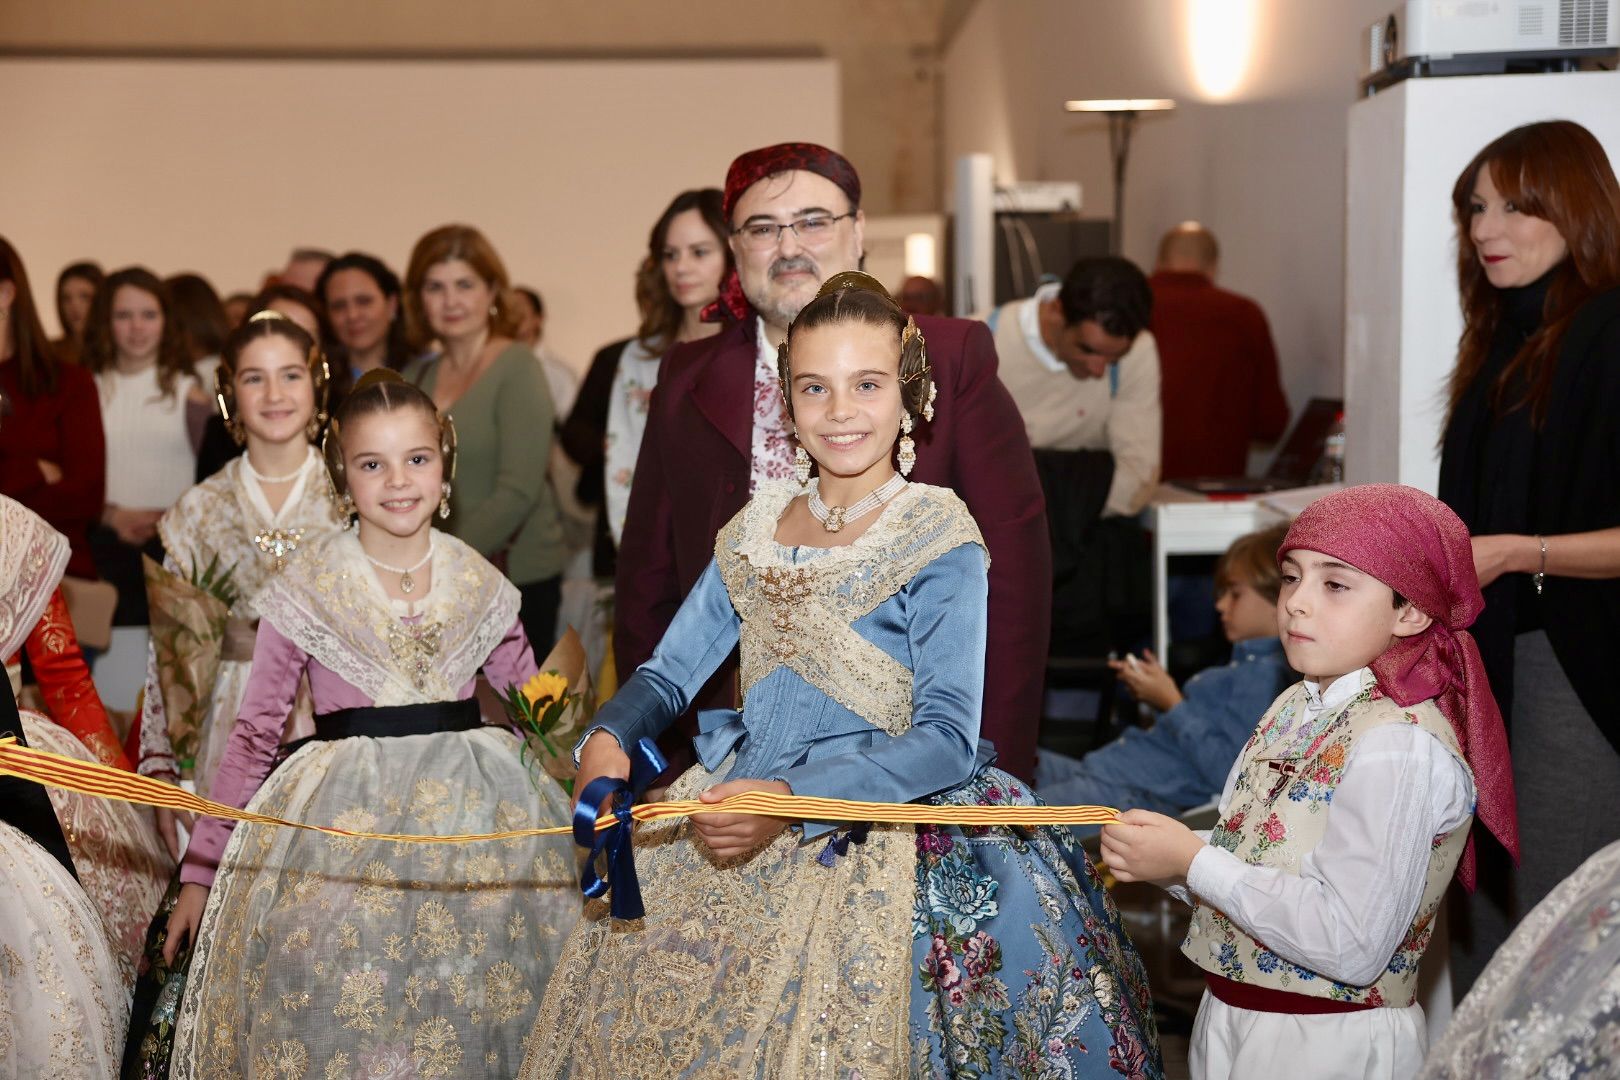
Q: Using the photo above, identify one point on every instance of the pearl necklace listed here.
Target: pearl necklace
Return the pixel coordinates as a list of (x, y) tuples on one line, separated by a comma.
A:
[(263, 479), (834, 518), (406, 583)]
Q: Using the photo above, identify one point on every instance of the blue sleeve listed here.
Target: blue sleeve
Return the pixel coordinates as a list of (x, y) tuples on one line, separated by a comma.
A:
[(945, 614), (697, 642), (1183, 760), (1221, 710)]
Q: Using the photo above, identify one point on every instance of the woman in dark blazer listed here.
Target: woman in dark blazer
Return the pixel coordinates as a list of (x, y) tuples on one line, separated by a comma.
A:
[(1530, 461)]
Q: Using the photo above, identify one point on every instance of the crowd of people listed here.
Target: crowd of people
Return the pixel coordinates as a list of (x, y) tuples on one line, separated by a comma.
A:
[(817, 540)]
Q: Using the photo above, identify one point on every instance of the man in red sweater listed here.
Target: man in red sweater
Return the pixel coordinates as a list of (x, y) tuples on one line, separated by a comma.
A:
[(1218, 382)]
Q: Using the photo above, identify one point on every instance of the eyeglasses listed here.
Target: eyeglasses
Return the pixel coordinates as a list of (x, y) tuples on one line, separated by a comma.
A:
[(811, 231)]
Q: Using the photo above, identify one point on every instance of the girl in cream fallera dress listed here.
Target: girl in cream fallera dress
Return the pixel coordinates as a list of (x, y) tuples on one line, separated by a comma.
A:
[(224, 541), (120, 860), (73, 870)]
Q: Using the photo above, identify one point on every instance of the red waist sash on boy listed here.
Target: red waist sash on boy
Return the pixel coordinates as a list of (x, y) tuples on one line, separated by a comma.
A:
[(1271, 1000)]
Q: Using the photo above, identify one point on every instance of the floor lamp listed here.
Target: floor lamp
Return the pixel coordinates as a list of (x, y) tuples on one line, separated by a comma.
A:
[(1122, 114)]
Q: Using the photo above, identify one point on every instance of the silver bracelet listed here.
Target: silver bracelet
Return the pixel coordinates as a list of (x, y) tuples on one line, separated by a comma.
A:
[(1540, 576)]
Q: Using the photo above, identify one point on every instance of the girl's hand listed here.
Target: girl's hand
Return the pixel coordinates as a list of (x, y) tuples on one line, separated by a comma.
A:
[(1144, 846), (134, 527), (50, 470), (730, 835), (600, 756), (1148, 681), (166, 820), (185, 918)]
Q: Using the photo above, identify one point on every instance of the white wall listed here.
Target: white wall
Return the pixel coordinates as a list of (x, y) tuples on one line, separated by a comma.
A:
[(223, 166), (1263, 168), (1407, 147)]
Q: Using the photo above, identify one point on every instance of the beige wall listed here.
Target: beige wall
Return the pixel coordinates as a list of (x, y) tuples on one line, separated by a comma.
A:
[(223, 166), (1264, 169), (887, 52)]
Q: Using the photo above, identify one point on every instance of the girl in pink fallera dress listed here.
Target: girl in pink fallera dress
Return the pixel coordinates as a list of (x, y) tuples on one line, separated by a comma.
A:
[(319, 955)]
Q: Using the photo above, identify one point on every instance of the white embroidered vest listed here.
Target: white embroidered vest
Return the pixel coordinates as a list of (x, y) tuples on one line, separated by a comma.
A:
[(1277, 815)]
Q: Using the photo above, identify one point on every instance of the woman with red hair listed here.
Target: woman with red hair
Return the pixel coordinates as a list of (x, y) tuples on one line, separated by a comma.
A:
[(1530, 461)]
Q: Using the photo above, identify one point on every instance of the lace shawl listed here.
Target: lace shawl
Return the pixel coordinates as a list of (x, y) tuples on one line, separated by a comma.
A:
[(223, 517), (33, 557), (330, 605), (1548, 1004)]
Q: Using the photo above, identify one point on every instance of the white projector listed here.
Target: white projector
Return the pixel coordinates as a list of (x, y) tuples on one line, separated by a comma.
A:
[(1476, 37)]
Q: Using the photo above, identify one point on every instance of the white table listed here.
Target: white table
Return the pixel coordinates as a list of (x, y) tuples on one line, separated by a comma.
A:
[(1186, 523)]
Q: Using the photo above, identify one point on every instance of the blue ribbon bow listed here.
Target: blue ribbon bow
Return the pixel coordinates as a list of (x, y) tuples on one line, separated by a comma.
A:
[(838, 843), (620, 882)]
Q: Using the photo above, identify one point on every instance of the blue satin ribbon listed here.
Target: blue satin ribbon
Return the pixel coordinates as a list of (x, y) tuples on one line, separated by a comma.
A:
[(719, 732), (620, 882), (838, 844)]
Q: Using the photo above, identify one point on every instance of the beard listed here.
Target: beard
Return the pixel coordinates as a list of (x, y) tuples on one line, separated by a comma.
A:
[(776, 307)]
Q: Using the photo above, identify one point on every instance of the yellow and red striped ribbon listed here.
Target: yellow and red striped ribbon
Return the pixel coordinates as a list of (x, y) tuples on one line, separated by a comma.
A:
[(103, 781)]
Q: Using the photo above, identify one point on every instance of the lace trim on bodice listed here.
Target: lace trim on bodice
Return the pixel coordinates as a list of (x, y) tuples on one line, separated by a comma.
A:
[(227, 514), (801, 615)]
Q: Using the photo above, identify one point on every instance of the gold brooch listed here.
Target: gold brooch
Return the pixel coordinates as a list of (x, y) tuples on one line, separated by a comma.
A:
[(414, 646), (278, 544)]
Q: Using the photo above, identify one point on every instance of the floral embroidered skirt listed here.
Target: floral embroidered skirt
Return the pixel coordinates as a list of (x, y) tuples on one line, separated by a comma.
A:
[(1022, 966), (117, 851), (937, 953), (335, 956)]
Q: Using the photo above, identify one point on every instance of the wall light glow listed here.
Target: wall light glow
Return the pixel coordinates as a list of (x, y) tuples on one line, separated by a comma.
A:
[(920, 255), (1220, 40)]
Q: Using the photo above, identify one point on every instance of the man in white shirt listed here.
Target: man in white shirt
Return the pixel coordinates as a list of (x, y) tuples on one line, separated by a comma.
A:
[(1084, 371)]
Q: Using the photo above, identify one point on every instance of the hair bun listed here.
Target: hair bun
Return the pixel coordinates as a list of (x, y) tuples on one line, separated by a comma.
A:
[(376, 375), (854, 279)]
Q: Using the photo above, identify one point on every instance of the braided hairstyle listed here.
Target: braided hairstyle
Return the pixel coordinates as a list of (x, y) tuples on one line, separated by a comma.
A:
[(382, 390), (852, 296)]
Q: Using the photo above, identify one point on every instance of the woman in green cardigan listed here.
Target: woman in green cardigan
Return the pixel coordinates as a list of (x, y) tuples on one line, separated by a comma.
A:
[(457, 295)]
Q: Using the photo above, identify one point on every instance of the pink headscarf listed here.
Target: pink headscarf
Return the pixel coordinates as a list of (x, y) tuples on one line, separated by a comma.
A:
[(1413, 543)]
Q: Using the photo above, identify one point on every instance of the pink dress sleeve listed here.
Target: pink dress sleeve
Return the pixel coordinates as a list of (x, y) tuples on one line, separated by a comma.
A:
[(271, 690), (511, 663)]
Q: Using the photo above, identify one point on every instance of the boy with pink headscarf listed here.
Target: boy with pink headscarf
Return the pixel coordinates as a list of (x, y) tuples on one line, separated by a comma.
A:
[(1350, 807)]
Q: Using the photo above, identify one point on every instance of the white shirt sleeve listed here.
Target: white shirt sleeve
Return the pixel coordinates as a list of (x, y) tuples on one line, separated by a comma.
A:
[(1356, 894), (1135, 424), (623, 445)]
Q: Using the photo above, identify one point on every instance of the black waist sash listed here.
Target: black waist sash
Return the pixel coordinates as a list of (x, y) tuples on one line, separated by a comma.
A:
[(383, 721), (387, 721), (23, 803)]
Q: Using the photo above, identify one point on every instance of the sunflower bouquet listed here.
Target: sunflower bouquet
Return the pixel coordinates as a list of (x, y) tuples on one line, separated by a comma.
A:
[(551, 709)]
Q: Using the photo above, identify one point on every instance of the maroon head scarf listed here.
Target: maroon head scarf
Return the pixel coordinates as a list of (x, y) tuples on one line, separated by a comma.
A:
[(1413, 543), (757, 165)]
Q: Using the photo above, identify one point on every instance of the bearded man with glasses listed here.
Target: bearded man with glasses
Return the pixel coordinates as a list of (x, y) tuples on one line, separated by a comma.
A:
[(717, 429)]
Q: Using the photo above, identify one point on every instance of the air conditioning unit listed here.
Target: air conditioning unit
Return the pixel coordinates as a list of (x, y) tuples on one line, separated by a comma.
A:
[(1480, 37), (1038, 196)]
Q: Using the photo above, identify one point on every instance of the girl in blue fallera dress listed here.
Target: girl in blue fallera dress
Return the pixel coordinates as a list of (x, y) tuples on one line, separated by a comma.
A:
[(772, 948)]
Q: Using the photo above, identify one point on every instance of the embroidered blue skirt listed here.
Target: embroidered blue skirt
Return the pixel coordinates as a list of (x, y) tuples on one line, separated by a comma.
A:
[(1022, 967)]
